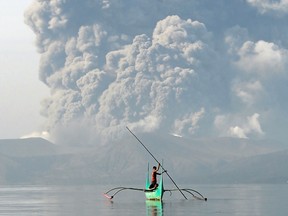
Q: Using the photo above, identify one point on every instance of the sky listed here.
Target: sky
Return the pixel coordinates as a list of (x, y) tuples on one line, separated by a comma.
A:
[(193, 68), (21, 91)]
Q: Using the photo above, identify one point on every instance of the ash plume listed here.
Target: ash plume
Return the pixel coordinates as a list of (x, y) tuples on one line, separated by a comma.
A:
[(190, 68)]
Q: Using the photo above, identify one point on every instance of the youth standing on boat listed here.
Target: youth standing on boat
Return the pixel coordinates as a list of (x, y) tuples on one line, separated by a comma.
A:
[(154, 174)]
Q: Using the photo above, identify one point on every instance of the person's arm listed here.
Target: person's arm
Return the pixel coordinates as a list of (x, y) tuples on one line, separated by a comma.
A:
[(158, 167), (162, 172)]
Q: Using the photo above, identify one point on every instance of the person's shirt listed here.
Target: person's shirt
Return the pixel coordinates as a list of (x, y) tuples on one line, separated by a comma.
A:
[(154, 176)]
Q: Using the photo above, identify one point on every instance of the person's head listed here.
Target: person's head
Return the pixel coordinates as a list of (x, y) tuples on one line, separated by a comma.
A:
[(154, 168)]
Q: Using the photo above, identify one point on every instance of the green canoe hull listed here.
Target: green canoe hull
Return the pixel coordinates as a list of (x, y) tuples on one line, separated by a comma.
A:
[(156, 194)]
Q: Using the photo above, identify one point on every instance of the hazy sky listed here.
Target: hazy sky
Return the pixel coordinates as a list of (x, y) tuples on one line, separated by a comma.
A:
[(20, 89), (188, 67)]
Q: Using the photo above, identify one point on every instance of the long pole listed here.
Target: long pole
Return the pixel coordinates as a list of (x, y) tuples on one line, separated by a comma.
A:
[(157, 162)]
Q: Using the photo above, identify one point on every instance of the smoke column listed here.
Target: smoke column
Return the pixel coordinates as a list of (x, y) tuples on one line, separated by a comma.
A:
[(187, 67)]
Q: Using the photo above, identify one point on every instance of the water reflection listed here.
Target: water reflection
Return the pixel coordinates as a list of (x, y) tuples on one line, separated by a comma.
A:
[(154, 208)]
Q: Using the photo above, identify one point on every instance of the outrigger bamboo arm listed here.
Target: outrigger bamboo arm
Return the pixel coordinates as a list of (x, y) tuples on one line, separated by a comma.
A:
[(187, 190), (119, 189), (190, 191)]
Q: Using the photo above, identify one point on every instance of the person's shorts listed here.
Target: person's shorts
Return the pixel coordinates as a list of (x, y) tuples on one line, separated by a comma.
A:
[(153, 184)]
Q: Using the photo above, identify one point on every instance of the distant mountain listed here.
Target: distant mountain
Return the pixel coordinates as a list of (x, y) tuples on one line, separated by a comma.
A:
[(219, 160), (267, 168), (26, 147), (23, 159)]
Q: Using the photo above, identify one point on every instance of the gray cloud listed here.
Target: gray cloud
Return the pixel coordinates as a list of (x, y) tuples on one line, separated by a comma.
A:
[(160, 65), (268, 6)]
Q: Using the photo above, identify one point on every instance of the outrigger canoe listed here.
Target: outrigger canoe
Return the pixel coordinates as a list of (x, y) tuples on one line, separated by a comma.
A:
[(154, 194), (158, 192)]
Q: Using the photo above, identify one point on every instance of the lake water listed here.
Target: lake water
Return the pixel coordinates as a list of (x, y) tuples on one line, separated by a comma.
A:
[(240, 200)]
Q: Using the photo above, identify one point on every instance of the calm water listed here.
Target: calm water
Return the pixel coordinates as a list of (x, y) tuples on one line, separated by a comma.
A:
[(229, 200)]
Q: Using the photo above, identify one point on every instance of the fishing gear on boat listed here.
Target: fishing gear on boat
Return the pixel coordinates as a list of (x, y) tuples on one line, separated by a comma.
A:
[(157, 162)]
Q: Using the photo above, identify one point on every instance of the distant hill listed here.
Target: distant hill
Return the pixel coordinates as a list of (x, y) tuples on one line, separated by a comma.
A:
[(218, 160), (267, 168), (23, 159), (26, 147)]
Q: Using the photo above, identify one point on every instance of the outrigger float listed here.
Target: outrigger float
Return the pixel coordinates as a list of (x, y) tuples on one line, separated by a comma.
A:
[(158, 192)]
